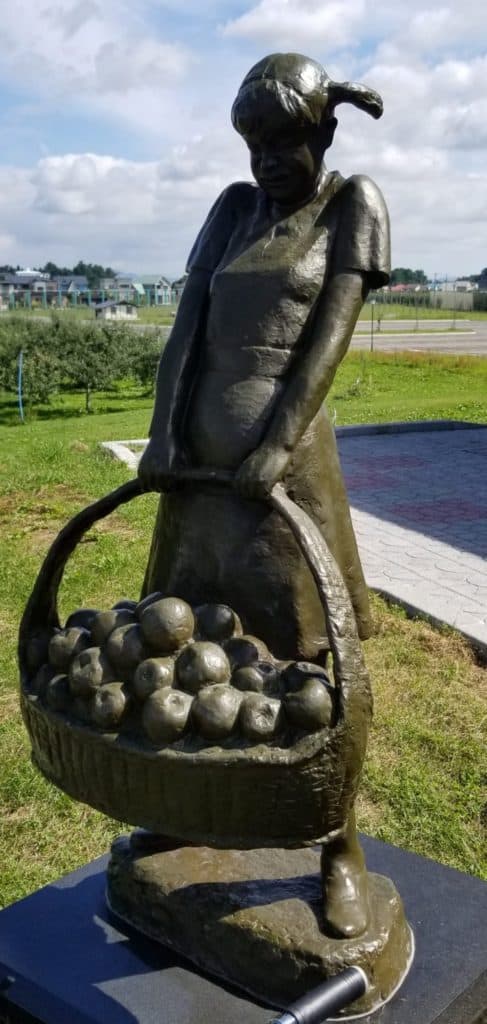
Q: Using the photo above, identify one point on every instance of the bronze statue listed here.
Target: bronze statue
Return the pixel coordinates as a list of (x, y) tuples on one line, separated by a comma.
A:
[(239, 754), (277, 278)]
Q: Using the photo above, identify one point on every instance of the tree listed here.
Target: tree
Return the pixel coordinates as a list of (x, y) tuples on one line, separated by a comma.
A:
[(93, 357), (404, 275), (144, 359), (92, 271), (61, 352), (41, 375)]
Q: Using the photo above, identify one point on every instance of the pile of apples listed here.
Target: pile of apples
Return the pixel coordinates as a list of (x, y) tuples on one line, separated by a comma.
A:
[(166, 670)]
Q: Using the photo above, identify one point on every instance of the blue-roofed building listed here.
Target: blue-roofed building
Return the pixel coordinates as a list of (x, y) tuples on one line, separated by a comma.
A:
[(70, 283)]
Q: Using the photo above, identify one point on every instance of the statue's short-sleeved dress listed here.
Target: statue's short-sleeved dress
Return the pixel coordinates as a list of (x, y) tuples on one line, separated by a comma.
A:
[(265, 278)]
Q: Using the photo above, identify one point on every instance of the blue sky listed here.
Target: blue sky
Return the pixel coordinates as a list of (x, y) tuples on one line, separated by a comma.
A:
[(117, 139)]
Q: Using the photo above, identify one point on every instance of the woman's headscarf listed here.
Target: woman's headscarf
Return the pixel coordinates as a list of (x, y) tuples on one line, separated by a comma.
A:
[(302, 89)]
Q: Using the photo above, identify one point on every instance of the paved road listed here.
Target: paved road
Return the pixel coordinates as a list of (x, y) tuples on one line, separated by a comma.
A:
[(469, 338)]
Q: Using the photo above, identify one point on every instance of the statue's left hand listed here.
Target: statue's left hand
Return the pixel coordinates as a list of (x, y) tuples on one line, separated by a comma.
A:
[(261, 470)]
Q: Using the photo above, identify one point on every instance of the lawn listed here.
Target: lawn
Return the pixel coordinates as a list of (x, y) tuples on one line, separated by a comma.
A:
[(369, 388), (164, 315), (377, 387), (158, 315), (423, 781)]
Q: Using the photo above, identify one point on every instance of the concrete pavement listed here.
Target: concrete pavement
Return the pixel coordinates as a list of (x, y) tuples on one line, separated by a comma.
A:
[(418, 494), (419, 508)]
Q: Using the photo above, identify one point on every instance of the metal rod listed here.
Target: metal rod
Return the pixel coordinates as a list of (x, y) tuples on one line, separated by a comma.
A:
[(327, 999), (19, 384)]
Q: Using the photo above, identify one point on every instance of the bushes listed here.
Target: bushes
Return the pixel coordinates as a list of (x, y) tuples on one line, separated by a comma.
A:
[(480, 301), (64, 353)]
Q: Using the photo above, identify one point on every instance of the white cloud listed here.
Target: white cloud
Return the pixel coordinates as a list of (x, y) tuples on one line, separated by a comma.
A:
[(347, 23), (130, 214), (428, 152), (80, 50), (295, 23), (145, 215)]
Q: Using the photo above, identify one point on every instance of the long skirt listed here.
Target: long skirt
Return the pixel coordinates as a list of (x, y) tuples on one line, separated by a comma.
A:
[(209, 544)]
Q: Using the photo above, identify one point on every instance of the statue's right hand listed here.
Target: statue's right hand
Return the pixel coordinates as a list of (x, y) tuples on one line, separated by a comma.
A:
[(157, 466)]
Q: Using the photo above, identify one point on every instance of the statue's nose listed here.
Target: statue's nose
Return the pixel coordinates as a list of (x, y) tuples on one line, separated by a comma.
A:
[(269, 162)]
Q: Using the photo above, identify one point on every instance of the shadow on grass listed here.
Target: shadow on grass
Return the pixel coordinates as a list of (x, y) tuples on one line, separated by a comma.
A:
[(103, 404)]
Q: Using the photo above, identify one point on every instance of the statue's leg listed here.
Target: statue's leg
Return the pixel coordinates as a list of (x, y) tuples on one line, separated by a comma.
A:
[(345, 888)]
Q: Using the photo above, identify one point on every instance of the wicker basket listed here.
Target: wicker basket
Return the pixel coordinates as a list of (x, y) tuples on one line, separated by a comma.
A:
[(237, 797)]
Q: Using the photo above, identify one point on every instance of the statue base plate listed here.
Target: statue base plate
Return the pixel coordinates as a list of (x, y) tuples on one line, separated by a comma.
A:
[(253, 918)]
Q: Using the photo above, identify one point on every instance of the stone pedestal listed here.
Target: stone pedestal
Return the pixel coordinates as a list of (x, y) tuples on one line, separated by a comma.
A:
[(253, 918), (65, 958)]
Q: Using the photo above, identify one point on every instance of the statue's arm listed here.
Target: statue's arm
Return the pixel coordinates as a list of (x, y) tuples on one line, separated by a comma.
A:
[(312, 375), (176, 370), (309, 381)]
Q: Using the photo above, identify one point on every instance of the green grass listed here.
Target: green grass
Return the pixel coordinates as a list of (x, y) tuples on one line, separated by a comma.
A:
[(377, 387), (369, 388), (165, 314), (404, 311), (159, 315), (423, 782)]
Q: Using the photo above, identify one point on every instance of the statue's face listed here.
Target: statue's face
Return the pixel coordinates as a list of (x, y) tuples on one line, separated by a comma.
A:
[(285, 157), (287, 169)]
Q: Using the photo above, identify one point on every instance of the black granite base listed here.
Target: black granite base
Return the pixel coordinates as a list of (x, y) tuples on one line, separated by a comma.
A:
[(63, 959)]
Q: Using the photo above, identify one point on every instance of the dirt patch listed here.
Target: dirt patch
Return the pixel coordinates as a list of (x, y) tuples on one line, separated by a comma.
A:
[(79, 446), (52, 502), (36, 517), (112, 525), (369, 814), (9, 706)]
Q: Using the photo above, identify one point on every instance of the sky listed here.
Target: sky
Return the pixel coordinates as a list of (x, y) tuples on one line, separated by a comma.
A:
[(115, 122)]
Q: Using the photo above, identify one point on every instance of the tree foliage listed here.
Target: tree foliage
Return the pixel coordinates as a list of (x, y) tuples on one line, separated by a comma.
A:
[(92, 271), (404, 275), (41, 364), (64, 353)]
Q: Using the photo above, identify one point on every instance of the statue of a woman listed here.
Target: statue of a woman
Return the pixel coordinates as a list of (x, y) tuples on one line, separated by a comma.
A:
[(277, 278)]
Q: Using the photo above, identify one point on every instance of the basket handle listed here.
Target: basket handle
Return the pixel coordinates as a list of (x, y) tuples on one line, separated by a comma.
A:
[(41, 615)]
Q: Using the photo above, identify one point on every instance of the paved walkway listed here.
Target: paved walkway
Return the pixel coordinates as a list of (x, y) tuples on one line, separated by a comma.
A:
[(419, 507)]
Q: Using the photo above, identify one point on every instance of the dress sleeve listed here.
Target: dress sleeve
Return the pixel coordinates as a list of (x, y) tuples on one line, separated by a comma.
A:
[(363, 238), (215, 234)]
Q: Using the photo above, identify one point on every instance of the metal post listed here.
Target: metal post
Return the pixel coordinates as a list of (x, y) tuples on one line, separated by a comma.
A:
[(20, 368), (372, 304)]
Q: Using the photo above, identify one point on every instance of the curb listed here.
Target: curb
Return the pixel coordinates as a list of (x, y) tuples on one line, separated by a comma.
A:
[(406, 427)]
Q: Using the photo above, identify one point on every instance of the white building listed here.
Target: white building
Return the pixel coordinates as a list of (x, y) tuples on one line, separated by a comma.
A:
[(113, 310)]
